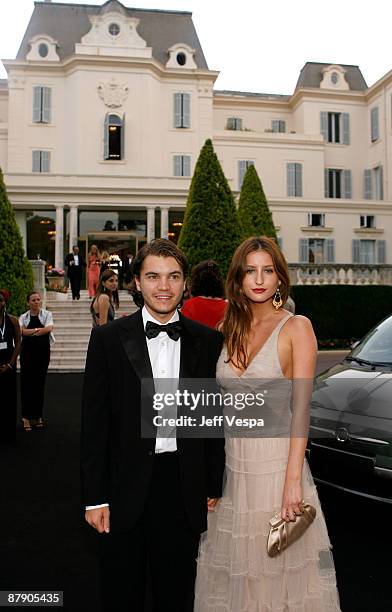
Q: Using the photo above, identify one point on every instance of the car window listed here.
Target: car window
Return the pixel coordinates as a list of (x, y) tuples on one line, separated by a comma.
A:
[(377, 345)]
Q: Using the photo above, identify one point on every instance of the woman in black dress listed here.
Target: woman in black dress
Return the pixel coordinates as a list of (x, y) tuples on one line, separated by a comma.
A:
[(9, 351), (36, 326), (106, 302)]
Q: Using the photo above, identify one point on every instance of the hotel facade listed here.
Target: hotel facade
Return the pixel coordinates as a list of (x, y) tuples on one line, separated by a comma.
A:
[(106, 108)]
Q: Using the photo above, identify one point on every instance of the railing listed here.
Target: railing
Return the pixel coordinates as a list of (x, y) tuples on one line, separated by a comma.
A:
[(340, 274)]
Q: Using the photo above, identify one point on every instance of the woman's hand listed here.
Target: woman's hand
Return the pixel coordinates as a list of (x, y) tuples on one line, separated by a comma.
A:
[(292, 500)]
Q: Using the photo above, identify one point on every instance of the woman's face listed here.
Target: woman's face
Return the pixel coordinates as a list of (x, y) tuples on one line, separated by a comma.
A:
[(35, 301), (260, 280), (94, 250), (111, 283)]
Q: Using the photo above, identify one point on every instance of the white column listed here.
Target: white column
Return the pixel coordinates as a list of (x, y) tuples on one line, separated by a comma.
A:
[(164, 221), (73, 226), (59, 243), (150, 223)]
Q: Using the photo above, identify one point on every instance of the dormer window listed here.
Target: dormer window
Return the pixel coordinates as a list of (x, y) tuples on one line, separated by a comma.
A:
[(43, 50), (181, 56), (114, 29), (181, 59), (334, 78)]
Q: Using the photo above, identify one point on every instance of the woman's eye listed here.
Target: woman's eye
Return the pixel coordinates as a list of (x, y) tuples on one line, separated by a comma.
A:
[(250, 270)]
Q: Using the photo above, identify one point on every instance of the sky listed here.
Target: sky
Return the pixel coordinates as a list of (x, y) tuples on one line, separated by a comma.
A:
[(256, 45)]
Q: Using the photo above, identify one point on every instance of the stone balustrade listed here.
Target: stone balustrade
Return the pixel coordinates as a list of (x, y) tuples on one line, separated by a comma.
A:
[(340, 274)]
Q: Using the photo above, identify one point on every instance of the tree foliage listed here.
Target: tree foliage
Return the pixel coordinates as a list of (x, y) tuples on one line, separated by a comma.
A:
[(16, 274), (211, 229), (254, 214)]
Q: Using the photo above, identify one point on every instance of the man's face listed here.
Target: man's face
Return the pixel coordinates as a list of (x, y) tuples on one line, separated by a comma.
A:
[(76, 250), (162, 284)]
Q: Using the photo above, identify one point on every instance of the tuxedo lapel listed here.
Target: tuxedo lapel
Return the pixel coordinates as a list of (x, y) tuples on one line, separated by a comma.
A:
[(190, 350), (134, 342)]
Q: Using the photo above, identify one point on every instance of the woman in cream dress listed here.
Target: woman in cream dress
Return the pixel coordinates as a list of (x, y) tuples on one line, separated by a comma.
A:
[(265, 475)]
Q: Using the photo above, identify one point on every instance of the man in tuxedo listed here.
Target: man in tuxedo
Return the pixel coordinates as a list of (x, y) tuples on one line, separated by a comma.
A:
[(148, 497), (75, 263)]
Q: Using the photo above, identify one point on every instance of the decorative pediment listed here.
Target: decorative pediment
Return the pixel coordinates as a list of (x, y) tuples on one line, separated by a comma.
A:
[(181, 56), (113, 34), (43, 49), (334, 78), (113, 93)]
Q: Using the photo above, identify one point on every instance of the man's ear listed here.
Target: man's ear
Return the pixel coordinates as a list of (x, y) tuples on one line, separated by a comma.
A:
[(137, 283)]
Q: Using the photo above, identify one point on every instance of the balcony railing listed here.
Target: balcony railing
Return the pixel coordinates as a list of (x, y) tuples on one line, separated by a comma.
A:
[(340, 274)]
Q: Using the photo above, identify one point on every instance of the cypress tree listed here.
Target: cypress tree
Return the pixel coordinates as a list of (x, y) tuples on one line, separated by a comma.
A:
[(254, 214), (16, 273), (211, 229)]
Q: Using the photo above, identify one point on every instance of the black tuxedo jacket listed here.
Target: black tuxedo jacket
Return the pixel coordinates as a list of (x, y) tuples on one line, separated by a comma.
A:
[(72, 269), (116, 462)]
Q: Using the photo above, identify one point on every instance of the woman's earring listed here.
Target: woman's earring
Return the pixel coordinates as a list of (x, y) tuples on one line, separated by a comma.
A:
[(277, 301)]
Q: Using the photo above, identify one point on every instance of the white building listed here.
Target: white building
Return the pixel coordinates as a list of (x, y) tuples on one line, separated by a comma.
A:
[(105, 110)]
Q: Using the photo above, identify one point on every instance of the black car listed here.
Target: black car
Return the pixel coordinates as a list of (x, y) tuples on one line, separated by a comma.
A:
[(350, 441)]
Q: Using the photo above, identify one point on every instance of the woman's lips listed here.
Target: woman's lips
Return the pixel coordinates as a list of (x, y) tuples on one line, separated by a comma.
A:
[(259, 290)]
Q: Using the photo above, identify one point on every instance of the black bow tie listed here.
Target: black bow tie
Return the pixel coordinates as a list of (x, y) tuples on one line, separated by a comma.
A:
[(173, 330)]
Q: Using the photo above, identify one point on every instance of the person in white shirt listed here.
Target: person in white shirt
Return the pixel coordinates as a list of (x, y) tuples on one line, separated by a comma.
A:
[(75, 263), (148, 497)]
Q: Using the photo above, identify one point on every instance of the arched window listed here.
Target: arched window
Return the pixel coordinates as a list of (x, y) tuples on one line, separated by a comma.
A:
[(114, 137)]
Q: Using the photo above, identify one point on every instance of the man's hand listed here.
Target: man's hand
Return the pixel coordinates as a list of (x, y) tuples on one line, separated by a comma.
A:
[(211, 503), (99, 519)]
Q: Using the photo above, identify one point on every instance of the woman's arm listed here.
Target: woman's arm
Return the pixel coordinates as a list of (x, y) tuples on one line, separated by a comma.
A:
[(103, 308), (14, 356), (304, 355)]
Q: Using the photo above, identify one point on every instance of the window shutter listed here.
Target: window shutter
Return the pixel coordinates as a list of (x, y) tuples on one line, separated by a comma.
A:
[(374, 128), (186, 165), (346, 128), (291, 180), (367, 184), (298, 180), (242, 167), (106, 138), (45, 161), (381, 244), (324, 125), (356, 251), (280, 243), (122, 152), (231, 123), (186, 110), (303, 250), (326, 183), (36, 161), (381, 186), (177, 110), (177, 166), (46, 104), (37, 98), (330, 250), (275, 125), (347, 184)]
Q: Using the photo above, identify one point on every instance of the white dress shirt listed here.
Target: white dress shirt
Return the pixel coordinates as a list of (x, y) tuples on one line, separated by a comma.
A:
[(164, 354), (76, 260)]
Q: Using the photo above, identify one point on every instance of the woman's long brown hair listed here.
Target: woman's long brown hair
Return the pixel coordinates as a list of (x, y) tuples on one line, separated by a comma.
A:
[(238, 316), (106, 274)]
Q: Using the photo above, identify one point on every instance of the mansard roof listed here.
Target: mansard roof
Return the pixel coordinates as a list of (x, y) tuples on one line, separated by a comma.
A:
[(67, 23), (251, 94), (311, 75)]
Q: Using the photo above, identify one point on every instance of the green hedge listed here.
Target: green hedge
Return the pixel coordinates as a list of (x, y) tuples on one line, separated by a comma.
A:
[(342, 314)]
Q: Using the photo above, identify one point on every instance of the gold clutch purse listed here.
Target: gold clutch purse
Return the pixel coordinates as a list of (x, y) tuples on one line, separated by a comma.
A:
[(282, 534)]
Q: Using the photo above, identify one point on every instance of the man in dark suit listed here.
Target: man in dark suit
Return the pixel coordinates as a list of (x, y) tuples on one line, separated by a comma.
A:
[(148, 497), (75, 263)]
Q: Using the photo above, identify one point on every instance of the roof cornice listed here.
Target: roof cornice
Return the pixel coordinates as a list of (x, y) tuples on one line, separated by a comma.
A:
[(70, 64)]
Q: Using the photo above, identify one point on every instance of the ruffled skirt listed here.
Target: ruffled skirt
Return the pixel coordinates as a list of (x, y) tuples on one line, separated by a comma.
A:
[(235, 573)]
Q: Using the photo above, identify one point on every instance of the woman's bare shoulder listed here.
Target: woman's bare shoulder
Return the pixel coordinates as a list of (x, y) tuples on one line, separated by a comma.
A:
[(298, 325)]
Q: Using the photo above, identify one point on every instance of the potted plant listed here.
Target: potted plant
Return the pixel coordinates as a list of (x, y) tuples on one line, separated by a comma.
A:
[(55, 279)]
